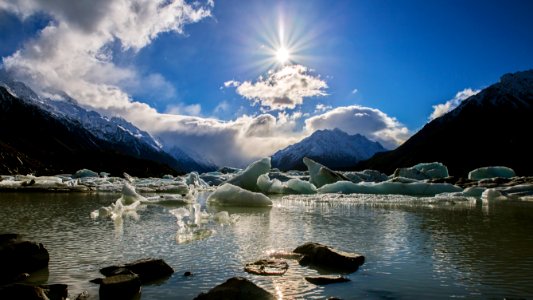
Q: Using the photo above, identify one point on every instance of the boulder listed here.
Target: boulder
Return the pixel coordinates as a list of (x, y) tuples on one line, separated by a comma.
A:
[(147, 269), (323, 280), (31, 292), (329, 259), (18, 256), (236, 288), (267, 267), (321, 175), (123, 286)]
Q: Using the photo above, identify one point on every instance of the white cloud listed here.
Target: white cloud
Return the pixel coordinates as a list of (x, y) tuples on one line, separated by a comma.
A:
[(282, 89), (182, 109), (231, 83), (322, 108), (354, 91), (441, 109), (367, 121)]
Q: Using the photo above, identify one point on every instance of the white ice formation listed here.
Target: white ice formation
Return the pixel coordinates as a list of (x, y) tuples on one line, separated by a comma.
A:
[(423, 171), (231, 195), (247, 179), (388, 187), (491, 172)]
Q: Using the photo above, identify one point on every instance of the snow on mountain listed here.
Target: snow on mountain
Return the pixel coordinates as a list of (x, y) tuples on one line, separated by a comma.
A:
[(333, 148)]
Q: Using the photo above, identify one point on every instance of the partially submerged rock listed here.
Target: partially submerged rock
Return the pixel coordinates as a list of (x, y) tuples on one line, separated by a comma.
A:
[(236, 288), (321, 175), (123, 286), (247, 179), (230, 195), (329, 259), (491, 172), (147, 269), (19, 256), (323, 280), (267, 267)]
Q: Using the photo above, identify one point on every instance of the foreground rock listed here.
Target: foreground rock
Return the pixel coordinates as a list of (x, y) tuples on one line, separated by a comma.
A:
[(30, 292), (123, 286), (18, 256), (267, 267), (236, 288), (147, 269), (323, 280), (329, 259)]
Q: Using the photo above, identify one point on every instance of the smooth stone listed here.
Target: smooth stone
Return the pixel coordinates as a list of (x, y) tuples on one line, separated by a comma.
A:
[(148, 269), (124, 286), (329, 259), (236, 288), (323, 280), (267, 267), (18, 256)]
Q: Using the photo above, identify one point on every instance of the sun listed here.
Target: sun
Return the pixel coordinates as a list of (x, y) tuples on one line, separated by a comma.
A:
[(283, 55)]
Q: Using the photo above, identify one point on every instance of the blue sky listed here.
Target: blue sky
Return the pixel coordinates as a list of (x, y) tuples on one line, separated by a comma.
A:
[(394, 58)]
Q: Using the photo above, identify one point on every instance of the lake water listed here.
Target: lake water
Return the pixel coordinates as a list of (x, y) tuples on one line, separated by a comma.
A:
[(413, 250)]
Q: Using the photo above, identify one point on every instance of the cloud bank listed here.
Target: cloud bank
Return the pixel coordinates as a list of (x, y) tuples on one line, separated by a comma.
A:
[(442, 109)]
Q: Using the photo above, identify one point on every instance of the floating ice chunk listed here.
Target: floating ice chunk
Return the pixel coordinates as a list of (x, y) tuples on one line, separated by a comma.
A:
[(85, 173), (232, 195), (301, 187), (190, 222), (493, 194), (214, 178), (387, 187), (321, 175), (522, 192), (224, 218), (475, 191), (366, 175), (194, 179), (247, 179), (268, 186), (423, 171), (126, 204), (491, 172)]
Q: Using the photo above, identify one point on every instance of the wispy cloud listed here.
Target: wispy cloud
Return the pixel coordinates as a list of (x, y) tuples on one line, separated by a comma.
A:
[(284, 88), (441, 109)]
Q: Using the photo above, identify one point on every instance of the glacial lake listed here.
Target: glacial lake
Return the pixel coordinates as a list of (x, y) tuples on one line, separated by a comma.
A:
[(413, 249)]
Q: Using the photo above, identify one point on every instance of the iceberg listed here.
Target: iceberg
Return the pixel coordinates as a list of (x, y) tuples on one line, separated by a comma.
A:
[(388, 187), (85, 173), (321, 175), (434, 170), (231, 195), (194, 179), (247, 179), (491, 172), (366, 175), (301, 187), (126, 204), (268, 186), (522, 192)]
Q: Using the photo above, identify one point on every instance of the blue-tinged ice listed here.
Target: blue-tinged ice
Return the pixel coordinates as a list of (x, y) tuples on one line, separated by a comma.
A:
[(321, 175), (491, 172), (231, 195), (423, 171), (388, 187), (247, 179)]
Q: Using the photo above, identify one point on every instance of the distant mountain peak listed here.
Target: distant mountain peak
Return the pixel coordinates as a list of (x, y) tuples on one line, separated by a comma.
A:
[(331, 147)]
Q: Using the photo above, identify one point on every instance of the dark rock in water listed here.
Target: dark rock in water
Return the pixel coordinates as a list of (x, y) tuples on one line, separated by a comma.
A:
[(30, 292), (148, 269), (267, 267), (449, 179), (124, 286), (236, 288), (18, 256), (187, 274), (465, 182), (329, 259), (286, 255), (493, 182), (323, 280)]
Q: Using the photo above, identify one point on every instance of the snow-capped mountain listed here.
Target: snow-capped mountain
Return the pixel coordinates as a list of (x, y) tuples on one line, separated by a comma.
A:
[(190, 161), (493, 127), (333, 148), (123, 136)]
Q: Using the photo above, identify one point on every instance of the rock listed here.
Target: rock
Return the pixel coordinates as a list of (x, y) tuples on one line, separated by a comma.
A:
[(267, 267), (18, 256), (491, 172), (236, 288), (124, 286), (321, 175), (323, 280), (147, 269), (30, 292), (83, 296), (329, 259), (286, 255), (187, 274)]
